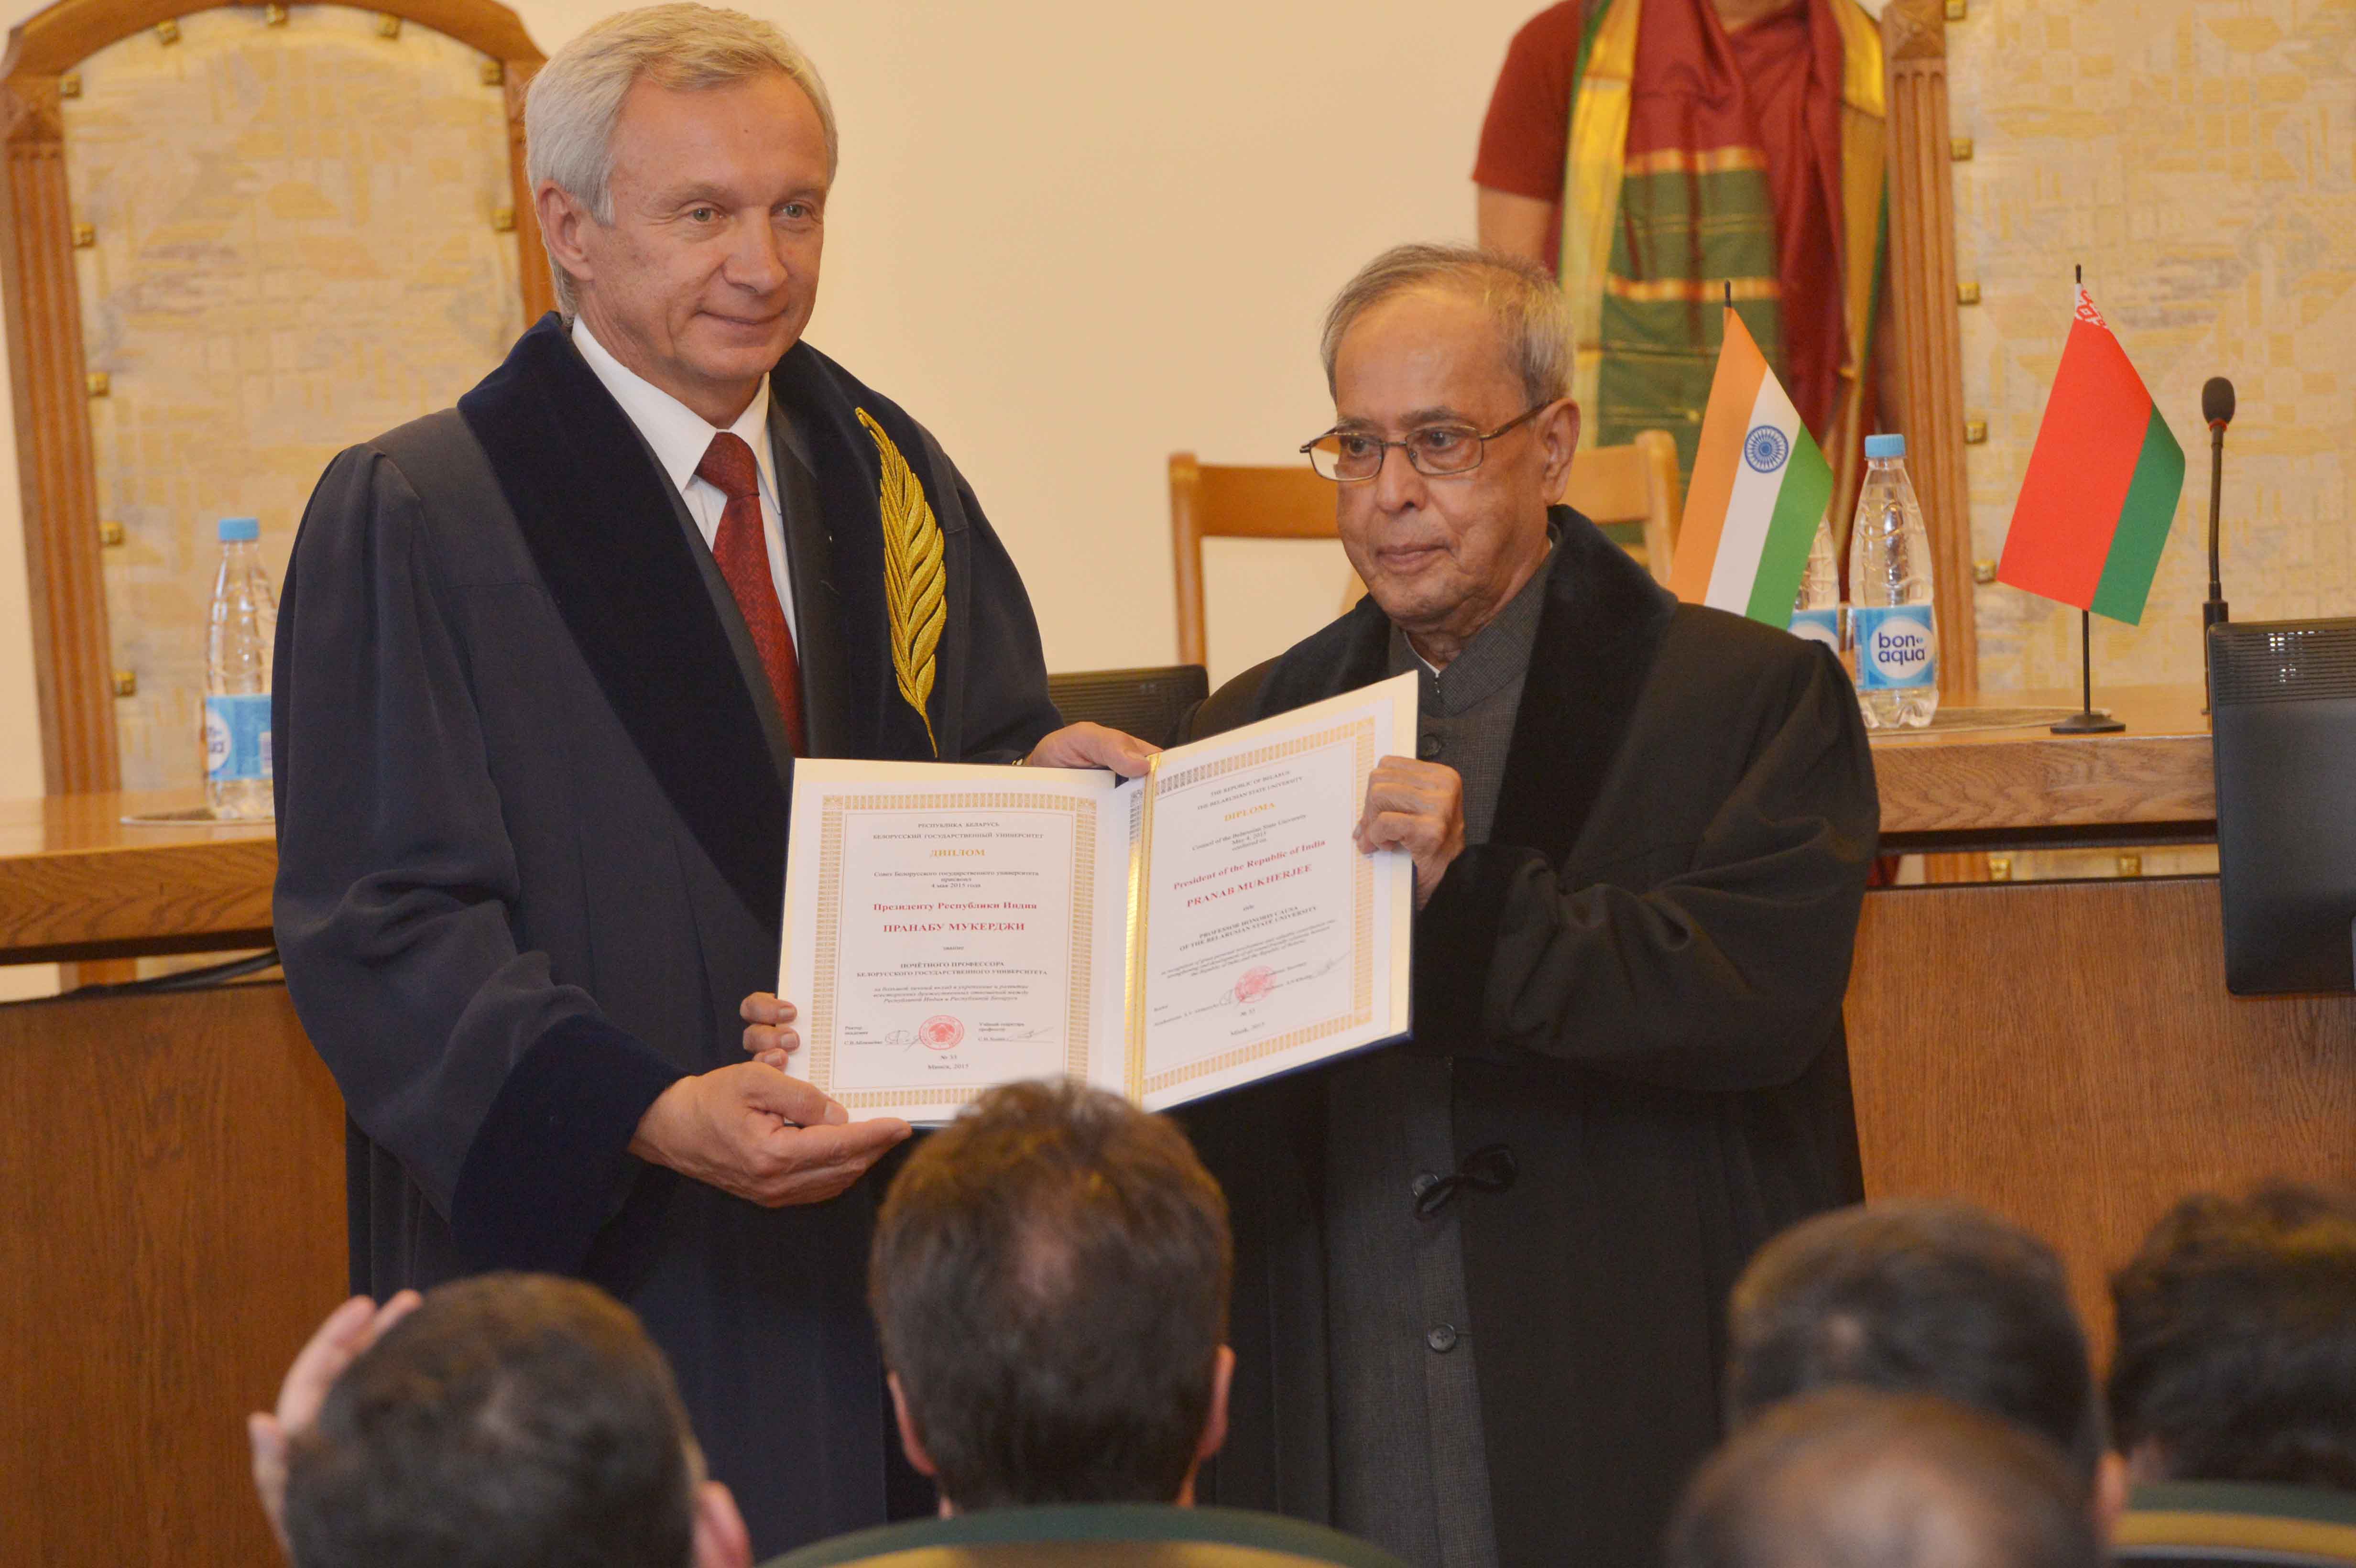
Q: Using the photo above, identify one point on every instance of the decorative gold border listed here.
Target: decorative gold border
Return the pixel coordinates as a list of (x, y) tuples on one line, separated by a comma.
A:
[(1360, 733), (827, 947), (827, 944), (1273, 752), (1141, 865)]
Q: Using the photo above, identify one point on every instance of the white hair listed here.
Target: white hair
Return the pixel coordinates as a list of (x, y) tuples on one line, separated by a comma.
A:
[(577, 99), (1533, 319)]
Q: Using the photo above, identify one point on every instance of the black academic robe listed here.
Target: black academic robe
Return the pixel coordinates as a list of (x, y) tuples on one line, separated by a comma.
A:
[(532, 821), (1638, 984)]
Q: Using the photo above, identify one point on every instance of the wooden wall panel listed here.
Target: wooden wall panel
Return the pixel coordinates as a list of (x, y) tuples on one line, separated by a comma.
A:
[(173, 1231), (73, 656), (1929, 377), (2066, 1054), (531, 250)]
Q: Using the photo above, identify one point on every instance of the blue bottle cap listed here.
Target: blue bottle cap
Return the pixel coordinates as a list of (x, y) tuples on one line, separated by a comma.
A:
[(1885, 446), (234, 529)]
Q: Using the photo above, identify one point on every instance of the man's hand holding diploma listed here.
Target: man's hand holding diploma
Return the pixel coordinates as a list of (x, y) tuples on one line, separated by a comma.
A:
[(751, 1130), (1418, 807)]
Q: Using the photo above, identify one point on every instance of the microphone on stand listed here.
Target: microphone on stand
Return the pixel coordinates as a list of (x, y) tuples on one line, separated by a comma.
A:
[(2216, 407)]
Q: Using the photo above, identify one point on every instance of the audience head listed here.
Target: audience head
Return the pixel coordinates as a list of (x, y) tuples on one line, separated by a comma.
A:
[(1920, 1297), (1050, 1278), (1852, 1478), (2236, 1358), (680, 158), (1437, 347), (511, 1421)]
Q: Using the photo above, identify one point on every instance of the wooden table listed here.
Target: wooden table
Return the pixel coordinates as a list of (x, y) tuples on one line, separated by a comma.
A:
[(2015, 788), (172, 1221), (77, 883)]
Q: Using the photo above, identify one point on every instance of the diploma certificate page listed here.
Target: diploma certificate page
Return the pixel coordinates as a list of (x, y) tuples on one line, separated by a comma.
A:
[(955, 931), (948, 927), (1264, 927)]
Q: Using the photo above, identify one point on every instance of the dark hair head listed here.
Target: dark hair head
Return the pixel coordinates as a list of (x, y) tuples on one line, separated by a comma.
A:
[(1917, 1297), (1851, 1478), (2236, 1357), (511, 1421), (1050, 1278)]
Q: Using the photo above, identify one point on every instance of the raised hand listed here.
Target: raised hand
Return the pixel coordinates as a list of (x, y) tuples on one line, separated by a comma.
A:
[(333, 1346)]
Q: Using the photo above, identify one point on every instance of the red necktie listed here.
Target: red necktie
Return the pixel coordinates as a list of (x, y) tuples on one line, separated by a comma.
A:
[(742, 549)]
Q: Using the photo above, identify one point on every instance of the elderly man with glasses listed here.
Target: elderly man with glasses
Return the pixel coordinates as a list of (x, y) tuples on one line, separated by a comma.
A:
[(1482, 1275)]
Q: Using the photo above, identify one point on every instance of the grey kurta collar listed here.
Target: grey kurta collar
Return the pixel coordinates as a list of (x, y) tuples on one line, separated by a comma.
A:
[(1497, 653)]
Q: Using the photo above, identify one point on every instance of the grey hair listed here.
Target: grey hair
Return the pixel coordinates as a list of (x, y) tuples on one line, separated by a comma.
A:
[(1532, 317), (576, 98)]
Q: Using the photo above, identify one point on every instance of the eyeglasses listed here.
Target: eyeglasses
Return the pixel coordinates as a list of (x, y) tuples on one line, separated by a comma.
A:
[(1435, 450)]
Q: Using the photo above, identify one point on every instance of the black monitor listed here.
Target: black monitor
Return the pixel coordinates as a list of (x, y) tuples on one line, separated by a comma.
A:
[(2283, 726)]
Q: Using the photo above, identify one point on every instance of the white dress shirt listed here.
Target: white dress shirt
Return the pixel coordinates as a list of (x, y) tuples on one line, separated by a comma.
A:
[(681, 437)]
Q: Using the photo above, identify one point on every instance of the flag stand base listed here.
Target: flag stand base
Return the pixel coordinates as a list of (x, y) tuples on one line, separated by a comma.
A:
[(2086, 721)]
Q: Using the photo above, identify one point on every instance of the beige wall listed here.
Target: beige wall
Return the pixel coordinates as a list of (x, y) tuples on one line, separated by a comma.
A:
[(1073, 238)]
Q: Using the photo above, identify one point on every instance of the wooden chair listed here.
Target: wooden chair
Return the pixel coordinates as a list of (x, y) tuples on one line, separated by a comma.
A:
[(1631, 490), (1217, 501), (1620, 488)]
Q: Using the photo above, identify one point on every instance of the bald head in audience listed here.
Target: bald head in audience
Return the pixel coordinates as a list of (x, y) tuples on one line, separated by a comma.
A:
[(1850, 1478)]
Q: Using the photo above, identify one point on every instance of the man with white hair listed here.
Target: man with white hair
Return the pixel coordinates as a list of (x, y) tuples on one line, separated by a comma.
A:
[(1480, 1276), (545, 664)]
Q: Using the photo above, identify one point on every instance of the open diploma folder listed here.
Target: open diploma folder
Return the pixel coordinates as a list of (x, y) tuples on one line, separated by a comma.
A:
[(948, 928)]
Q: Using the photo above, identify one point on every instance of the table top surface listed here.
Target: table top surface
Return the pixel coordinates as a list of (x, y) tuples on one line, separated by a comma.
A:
[(1989, 788), (2147, 711), (92, 824)]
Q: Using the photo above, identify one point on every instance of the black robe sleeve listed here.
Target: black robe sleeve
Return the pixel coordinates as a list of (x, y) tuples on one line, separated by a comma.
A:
[(508, 1098), (1725, 973)]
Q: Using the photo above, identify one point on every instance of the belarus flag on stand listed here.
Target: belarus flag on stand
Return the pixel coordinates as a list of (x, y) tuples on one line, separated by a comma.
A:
[(2102, 482), (1760, 487)]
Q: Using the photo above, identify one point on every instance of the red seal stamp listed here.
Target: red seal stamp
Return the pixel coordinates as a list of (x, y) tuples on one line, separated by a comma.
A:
[(940, 1032), (1254, 985)]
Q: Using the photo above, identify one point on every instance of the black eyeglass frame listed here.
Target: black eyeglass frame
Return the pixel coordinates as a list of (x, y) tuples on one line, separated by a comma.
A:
[(1481, 439)]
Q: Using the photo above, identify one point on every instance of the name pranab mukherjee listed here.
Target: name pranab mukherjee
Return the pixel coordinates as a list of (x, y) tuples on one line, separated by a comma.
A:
[(1481, 1275), (544, 665)]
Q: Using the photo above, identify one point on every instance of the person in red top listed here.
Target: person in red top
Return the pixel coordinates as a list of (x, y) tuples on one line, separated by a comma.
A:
[(1738, 128)]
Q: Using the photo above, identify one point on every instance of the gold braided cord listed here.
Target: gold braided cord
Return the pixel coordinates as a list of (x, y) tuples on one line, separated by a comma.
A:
[(915, 579)]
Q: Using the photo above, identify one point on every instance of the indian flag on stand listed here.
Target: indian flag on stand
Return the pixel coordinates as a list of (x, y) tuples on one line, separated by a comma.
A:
[(1760, 486), (2102, 485)]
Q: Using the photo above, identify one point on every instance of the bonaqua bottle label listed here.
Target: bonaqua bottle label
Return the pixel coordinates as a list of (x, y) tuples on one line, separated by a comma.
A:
[(237, 737), (1895, 649)]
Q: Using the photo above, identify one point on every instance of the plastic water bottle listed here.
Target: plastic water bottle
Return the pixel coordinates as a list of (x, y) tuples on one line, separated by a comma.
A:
[(1816, 612), (238, 645), (1890, 578)]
